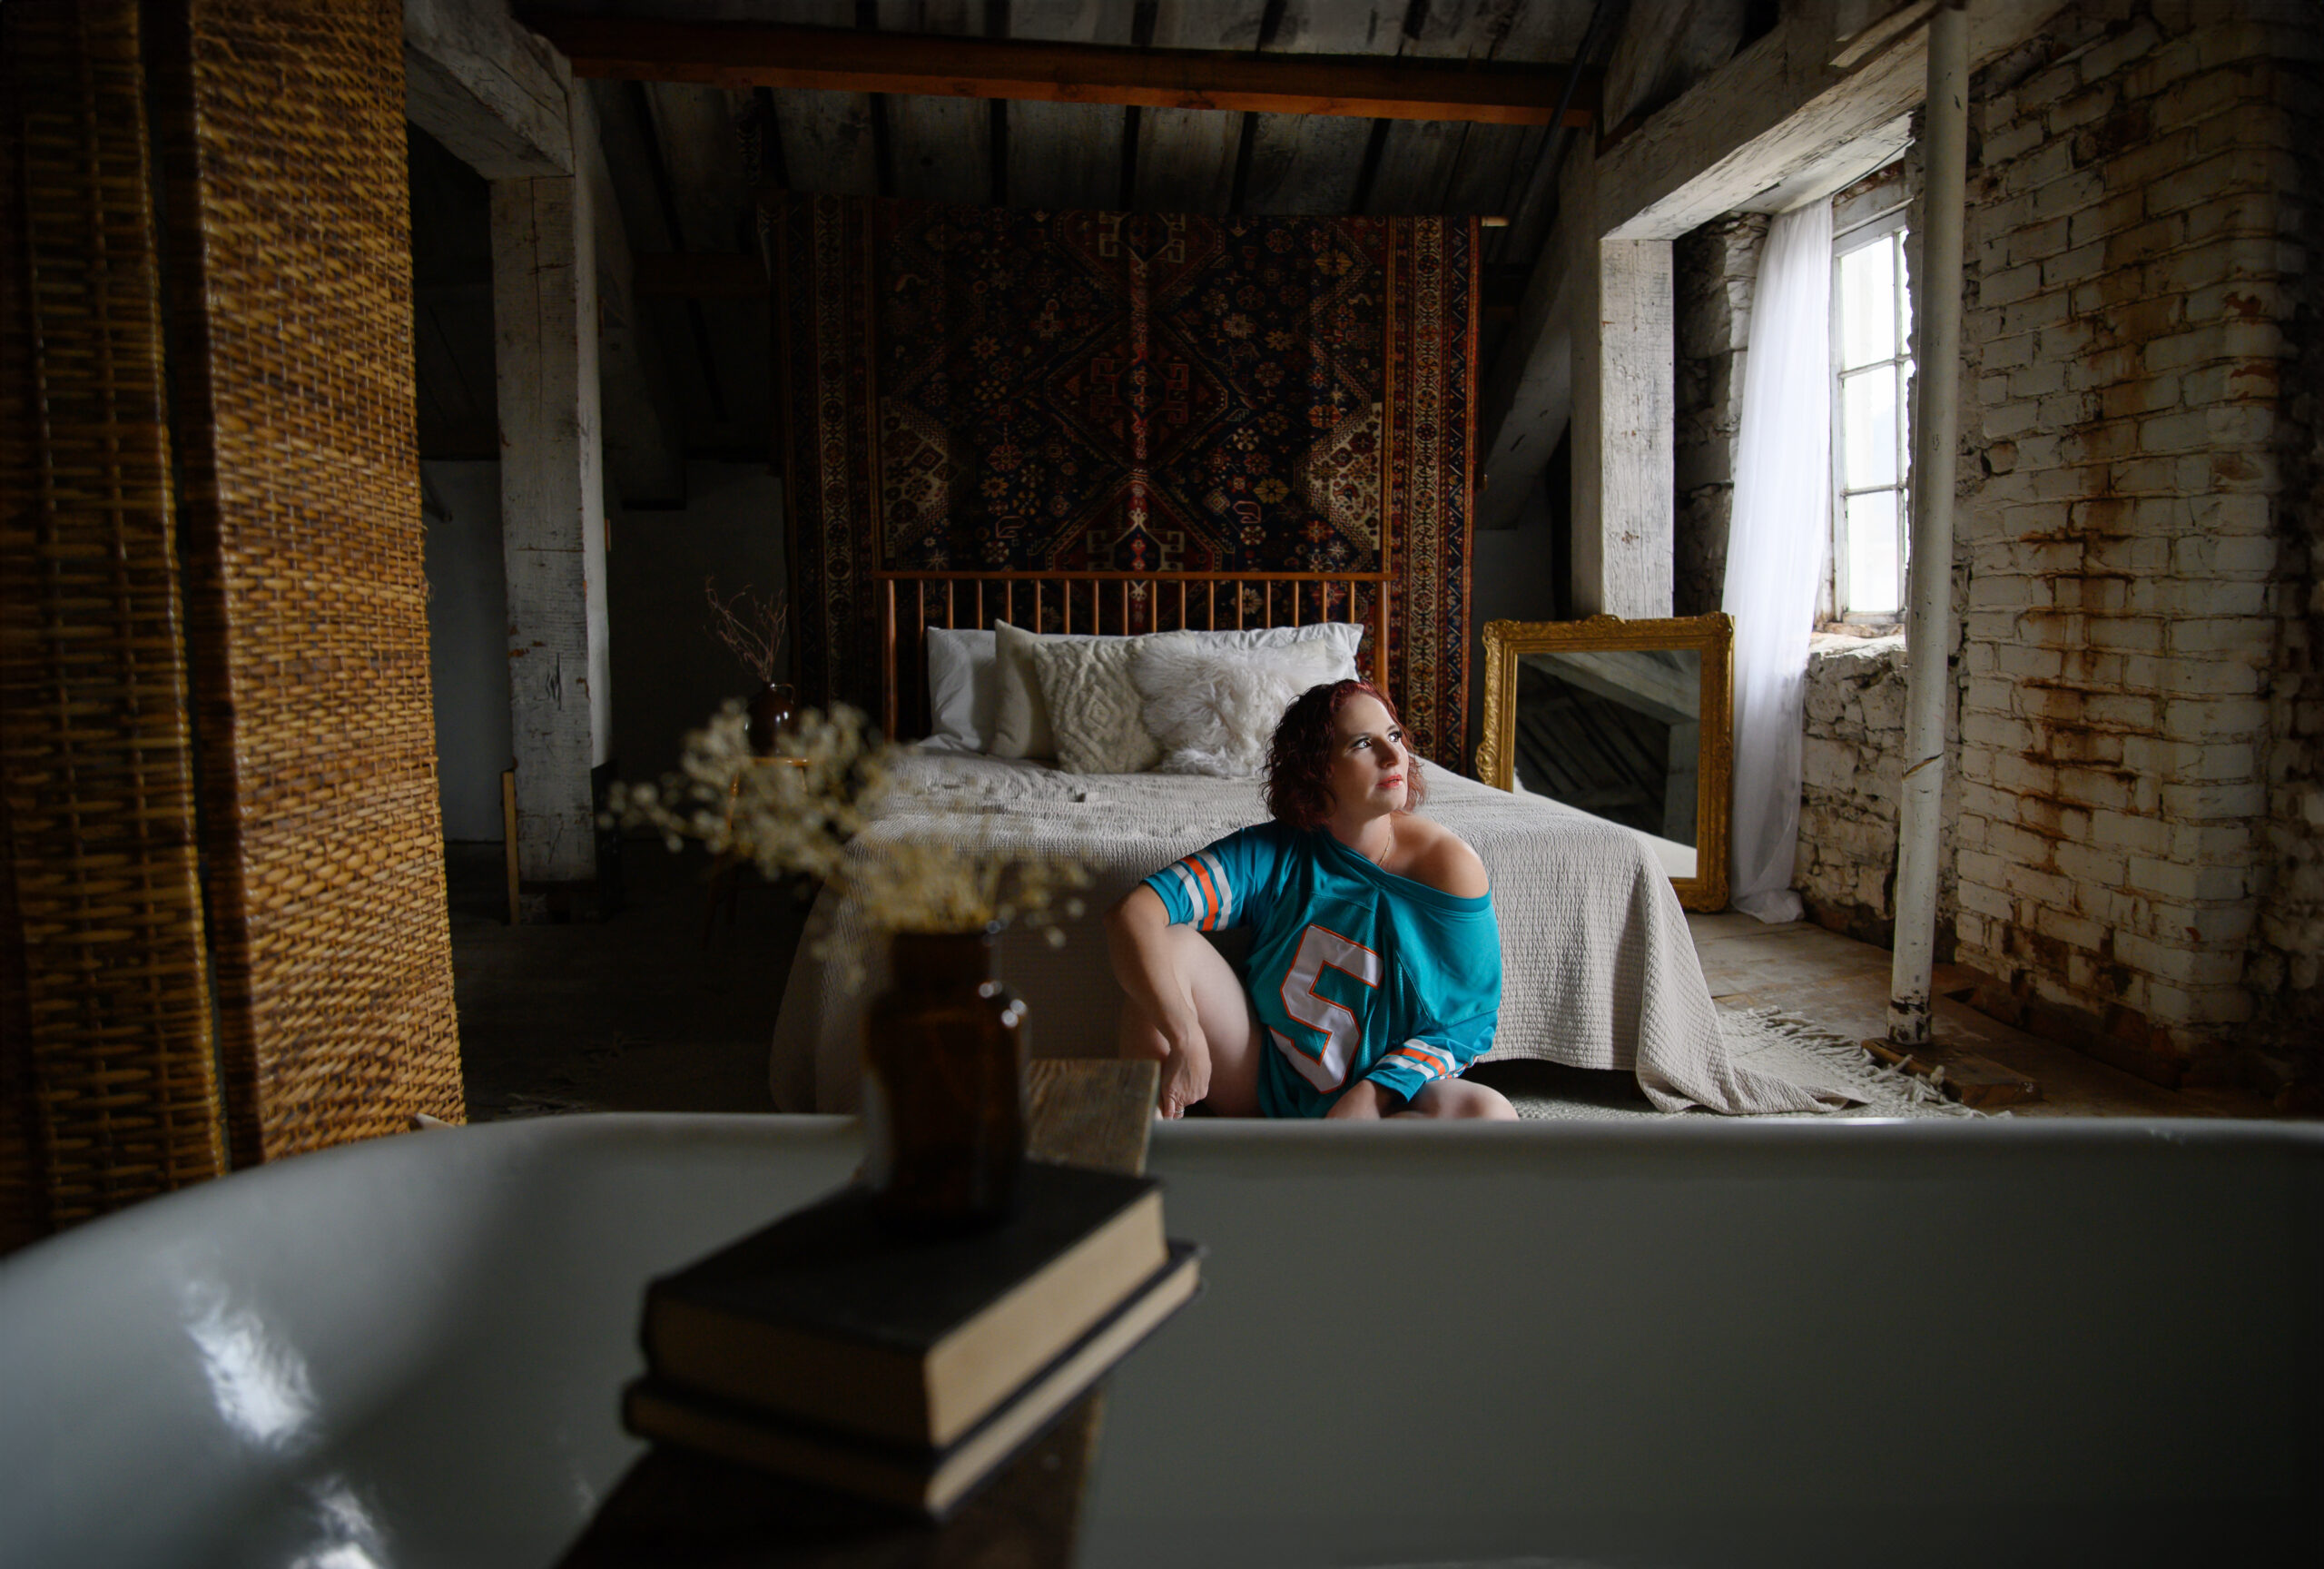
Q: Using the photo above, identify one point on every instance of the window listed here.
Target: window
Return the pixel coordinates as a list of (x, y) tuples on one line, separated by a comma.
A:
[(1872, 348)]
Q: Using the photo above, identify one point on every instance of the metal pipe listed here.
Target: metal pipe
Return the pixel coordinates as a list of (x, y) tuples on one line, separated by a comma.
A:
[(1928, 628)]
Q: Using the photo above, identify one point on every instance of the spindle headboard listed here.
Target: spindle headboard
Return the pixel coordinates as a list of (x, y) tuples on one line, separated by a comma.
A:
[(1114, 603)]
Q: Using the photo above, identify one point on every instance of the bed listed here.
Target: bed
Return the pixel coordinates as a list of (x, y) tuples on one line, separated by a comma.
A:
[(1598, 970)]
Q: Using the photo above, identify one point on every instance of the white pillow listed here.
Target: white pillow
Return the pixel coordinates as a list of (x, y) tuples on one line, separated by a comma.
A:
[(963, 689), (1021, 724), (1214, 710), (1094, 707), (1345, 636)]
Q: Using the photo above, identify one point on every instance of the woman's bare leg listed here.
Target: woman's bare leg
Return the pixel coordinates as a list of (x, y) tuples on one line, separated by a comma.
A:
[(1224, 1011), (1452, 1098)]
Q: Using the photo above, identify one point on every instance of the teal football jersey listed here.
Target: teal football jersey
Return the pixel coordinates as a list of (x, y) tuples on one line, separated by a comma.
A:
[(1354, 973)]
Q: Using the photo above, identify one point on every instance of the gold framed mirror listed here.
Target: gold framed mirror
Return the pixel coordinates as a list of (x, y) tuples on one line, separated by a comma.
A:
[(1631, 720)]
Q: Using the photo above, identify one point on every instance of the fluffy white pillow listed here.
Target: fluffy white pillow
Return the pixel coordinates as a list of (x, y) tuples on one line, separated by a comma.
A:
[(963, 689), (1021, 724), (1345, 636), (1212, 710), (1094, 707)]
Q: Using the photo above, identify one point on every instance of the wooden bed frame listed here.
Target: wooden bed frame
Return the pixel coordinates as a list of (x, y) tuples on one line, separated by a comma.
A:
[(1112, 603)]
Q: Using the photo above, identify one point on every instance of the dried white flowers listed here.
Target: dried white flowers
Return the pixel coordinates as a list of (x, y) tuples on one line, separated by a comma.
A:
[(805, 811)]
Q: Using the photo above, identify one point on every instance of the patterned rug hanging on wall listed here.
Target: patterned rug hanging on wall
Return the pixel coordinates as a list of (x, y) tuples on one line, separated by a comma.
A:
[(991, 388)]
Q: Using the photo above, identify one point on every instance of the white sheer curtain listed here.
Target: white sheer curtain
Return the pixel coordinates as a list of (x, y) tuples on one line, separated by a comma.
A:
[(1775, 547)]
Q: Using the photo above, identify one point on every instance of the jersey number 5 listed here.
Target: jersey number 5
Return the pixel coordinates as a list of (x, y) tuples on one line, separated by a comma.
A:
[(1320, 950)]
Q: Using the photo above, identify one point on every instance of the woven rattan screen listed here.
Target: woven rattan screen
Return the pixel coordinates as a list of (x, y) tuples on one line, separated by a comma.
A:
[(108, 1056), (281, 129)]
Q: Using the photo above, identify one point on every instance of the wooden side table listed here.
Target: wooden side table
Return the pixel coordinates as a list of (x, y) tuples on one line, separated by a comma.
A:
[(726, 871), (674, 1509)]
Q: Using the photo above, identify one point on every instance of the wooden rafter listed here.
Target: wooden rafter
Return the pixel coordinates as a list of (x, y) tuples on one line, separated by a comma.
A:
[(755, 54)]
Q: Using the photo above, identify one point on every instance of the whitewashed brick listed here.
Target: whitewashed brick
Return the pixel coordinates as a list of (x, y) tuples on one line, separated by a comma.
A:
[(2093, 789), (2009, 286), (2170, 879), (2187, 966), (2076, 931), (2204, 719), (2123, 710), (2204, 843), (2005, 420), (2202, 555), (2208, 341), (2129, 833), (2175, 433), (2239, 424), (2214, 802), (2101, 61), (2221, 760), (2030, 382), (2095, 222), (2129, 633), (2221, 635), (2220, 597)]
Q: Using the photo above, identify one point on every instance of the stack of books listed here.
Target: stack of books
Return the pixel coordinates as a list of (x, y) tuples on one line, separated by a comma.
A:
[(906, 1368)]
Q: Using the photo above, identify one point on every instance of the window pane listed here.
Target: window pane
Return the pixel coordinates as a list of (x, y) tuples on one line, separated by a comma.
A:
[(1868, 428), (1868, 303), (1875, 578)]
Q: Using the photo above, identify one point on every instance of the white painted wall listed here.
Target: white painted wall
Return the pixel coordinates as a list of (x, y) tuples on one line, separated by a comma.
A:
[(467, 643), (669, 673)]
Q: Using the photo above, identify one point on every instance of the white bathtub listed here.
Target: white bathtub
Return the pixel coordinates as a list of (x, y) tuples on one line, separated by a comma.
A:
[(1694, 1342)]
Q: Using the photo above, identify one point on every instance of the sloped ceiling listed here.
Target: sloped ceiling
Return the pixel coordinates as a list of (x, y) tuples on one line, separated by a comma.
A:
[(688, 162)]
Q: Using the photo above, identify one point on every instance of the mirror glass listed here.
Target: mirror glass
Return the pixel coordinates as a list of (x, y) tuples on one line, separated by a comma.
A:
[(1618, 732), (1629, 721)]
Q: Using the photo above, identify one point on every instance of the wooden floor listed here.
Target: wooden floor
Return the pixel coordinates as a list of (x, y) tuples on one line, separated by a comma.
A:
[(1824, 979), (648, 1011)]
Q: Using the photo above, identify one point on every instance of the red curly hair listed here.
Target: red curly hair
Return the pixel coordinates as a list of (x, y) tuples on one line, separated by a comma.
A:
[(1299, 757)]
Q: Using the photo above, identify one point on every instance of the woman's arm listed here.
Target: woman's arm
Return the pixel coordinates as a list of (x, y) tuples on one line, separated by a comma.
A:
[(1135, 932)]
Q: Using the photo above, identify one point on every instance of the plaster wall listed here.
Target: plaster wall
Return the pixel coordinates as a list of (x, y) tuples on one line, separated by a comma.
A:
[(467, 642), (670, 673)]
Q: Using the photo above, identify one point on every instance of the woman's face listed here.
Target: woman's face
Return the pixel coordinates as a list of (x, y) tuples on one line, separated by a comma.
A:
[(1371, 770)]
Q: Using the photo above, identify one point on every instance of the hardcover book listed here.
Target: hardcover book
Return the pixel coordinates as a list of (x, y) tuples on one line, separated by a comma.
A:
[(925, 1479), (829, 1318)]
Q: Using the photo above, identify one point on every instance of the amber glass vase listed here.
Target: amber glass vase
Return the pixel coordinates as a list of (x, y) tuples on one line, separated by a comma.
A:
[(944, 1084), (770, 711)]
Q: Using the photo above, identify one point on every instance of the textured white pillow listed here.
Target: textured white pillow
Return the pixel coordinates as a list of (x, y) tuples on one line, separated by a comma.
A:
[(1094, 707), (963, 689), (1348, 637), (1020, 723), (1213, 710)]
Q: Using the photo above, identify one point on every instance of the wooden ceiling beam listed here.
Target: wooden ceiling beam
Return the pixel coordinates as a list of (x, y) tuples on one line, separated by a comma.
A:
[(834, 59)]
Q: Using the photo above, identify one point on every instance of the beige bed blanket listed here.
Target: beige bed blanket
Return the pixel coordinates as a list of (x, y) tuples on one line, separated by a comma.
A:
[(1597, 967)]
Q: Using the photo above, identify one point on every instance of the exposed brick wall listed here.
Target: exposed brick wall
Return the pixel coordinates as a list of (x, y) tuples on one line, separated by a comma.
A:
[(1852, 765), (2134, 528), (1713, 271), (2287, 967)]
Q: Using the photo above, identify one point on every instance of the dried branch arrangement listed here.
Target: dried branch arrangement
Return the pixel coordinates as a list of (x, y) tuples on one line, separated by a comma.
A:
[(749, 625)]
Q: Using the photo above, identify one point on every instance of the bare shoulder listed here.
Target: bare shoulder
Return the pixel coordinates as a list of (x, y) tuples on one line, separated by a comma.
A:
[(1441, 858)]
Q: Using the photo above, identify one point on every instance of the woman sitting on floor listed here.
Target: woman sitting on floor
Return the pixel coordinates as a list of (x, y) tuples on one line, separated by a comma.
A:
[(1375, 960)]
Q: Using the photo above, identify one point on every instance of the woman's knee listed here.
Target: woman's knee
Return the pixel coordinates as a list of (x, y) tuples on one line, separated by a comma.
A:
[(1458, 1099)]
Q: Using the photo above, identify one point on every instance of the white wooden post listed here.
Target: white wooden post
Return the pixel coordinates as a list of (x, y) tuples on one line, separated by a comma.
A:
[(552, 512), (1928, 628), (1624, 402)]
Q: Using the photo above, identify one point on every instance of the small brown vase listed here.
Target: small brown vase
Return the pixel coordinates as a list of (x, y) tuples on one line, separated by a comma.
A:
[(944, 1084), (769, 714)]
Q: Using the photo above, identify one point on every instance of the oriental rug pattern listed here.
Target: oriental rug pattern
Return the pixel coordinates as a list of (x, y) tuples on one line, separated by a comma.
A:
[(973, 389)]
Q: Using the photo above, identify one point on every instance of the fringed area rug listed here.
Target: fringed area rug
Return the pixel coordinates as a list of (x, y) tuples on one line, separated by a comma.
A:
[(1766, 1039)]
